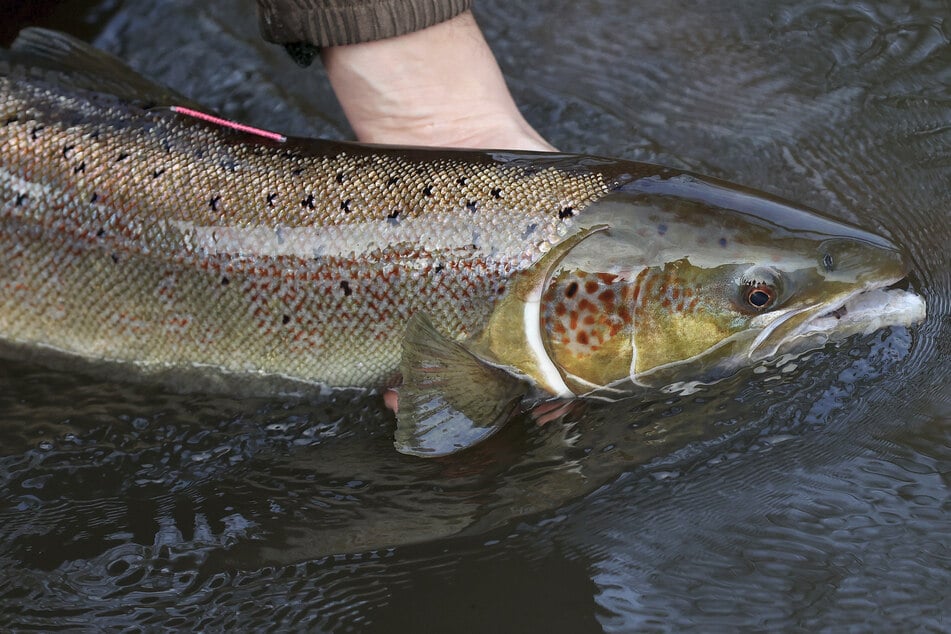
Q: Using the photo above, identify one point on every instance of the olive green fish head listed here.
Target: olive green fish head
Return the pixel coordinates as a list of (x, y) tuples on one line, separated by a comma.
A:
[(688, 280), (665, 282)]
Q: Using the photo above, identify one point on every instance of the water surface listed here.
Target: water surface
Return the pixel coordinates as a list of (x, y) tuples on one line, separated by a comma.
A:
[(812, 495)]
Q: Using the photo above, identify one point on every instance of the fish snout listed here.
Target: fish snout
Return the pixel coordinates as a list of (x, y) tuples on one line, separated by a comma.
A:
[(857, 261)]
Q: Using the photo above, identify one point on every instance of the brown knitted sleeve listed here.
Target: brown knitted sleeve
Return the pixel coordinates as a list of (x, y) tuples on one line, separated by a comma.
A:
[(335, 22)]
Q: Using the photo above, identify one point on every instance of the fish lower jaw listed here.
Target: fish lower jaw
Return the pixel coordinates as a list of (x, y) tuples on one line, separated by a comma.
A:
[(868, 311)]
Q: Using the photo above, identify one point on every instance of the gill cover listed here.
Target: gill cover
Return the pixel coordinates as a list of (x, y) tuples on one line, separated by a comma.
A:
[(455, 394)]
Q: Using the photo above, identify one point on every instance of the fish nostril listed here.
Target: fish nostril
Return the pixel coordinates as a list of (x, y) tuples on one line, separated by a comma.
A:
[(828, 262)]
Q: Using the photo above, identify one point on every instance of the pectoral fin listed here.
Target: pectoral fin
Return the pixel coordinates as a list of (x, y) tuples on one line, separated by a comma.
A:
[(450, 398)]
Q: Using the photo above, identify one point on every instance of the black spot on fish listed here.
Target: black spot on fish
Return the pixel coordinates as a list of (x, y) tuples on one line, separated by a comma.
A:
[(571, 290), (394, 217), (10, 120), (94, 197), (67, 149), (115, 258), (341, 177), (213, 202), (529, 230), (501, 289), (428, 191), (199, 153), (122, 156), (438, 268), (224, 280), (661, 229), (471, 206), (21, 198), (567, 212), (270, 199), (166, 145), (308, 202), (229, 164), (101, 232), (286, 319), (496, 192), (722, 242), (158, 172), (345, 206), (347, 291), (462, 181), (79, 169), (297, 171), (420, 171), (34, 133), (393, 180)]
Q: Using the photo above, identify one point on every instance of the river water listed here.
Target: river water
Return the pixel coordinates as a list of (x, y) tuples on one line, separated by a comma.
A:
[(810, 496)]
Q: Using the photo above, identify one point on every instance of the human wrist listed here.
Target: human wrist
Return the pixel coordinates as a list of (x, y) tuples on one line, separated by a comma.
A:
[(437, 86)]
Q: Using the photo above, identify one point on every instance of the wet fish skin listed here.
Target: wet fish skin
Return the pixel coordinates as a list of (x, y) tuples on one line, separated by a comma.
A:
[(136, 234)]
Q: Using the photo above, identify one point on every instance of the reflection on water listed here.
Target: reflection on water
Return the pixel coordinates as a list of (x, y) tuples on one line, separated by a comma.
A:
[(808, 494)]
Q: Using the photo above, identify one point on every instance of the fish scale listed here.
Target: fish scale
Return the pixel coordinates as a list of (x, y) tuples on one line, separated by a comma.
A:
[(174, 241)]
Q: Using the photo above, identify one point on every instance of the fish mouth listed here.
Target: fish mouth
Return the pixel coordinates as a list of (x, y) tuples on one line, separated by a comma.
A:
[(859, 313), (869, 310)]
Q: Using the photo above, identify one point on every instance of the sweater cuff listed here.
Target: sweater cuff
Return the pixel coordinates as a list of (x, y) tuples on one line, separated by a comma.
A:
[(334, 23)]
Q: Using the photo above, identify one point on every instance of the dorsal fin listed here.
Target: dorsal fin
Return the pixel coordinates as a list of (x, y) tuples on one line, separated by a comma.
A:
[(66, 61)]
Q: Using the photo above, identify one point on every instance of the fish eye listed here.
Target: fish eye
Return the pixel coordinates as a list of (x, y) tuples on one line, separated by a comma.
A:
[(760, 296), (759, 289)]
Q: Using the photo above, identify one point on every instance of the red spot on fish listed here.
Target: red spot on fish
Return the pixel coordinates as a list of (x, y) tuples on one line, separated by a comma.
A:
[(586, 306), (582, 338), (573, 320), (591, 287), (560, 309), (625, 314), (607, 297), (559, 328), (665, 303), (607, 278), (588, 320), (675, 293)]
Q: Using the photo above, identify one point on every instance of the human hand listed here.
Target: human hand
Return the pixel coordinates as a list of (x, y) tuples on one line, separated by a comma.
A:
[(440, 86)]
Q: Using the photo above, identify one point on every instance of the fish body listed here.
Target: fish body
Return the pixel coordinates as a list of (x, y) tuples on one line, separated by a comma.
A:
[(135, 232)]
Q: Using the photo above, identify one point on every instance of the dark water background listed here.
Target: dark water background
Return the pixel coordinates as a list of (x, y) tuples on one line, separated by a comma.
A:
[(811, 496)]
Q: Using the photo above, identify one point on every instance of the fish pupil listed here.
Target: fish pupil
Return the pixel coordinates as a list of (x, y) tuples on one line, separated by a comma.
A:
[(759, 297)]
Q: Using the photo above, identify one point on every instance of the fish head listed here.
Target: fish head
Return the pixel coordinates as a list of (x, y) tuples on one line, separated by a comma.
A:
[(693, 279), (664, 281)]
